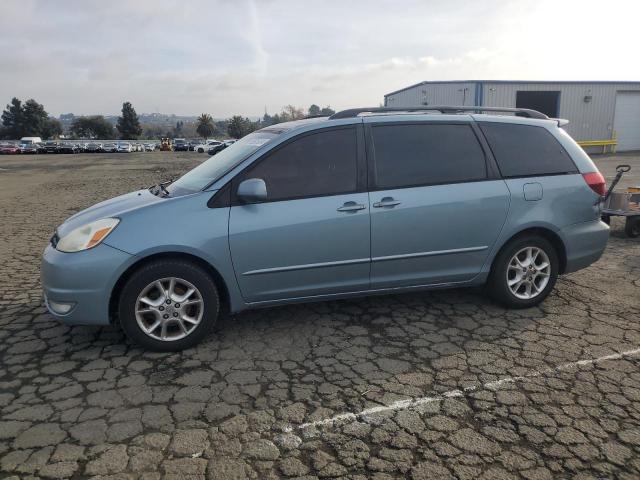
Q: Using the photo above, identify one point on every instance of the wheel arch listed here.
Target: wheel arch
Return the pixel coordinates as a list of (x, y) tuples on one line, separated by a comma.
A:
[(546, 233), (221, 285)]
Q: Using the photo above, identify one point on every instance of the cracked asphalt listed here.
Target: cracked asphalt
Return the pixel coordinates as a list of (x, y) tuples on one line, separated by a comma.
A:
[(502, 393)]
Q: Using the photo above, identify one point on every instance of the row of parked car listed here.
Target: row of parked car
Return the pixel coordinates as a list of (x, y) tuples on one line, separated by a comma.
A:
[(209, 146), (76, 147)]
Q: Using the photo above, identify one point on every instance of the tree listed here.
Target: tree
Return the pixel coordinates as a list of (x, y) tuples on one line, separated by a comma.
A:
[(206, 128), (28, 120), (129, 124), (250, 126), (52, 128), (13, 119), (292, 113), (314, 110), (92, 127), (235, 129), (267, 120), (327, 111), (151, 131), (34, 118), (238, 126)]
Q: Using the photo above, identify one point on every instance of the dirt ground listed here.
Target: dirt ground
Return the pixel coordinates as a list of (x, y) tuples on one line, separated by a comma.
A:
[(425, 386)]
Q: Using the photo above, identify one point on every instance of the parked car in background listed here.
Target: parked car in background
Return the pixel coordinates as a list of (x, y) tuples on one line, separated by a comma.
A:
[(93, 147), (9, 149), (51, 146), (124, 147), (204, 147), (150, 147), (30, 140), (110, 148), (69, 148), (180, 145), (452, 199), (221, 146), (28, 148)]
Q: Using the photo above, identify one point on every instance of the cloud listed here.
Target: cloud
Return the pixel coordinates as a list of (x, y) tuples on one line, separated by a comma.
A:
[(226, 57)]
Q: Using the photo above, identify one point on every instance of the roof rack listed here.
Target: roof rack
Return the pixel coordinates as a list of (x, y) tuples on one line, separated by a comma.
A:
[(354, 112)]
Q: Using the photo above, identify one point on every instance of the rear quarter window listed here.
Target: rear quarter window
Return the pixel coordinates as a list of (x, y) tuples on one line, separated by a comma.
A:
[(526, 150), (409, 155)]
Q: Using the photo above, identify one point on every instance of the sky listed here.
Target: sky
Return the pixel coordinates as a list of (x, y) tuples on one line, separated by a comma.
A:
[(227, 57)]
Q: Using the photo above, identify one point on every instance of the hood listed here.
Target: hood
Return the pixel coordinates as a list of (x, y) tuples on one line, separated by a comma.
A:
[(114, 207)]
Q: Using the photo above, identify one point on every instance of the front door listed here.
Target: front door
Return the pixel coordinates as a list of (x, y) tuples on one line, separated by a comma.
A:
[(311, 236), (435, 210)]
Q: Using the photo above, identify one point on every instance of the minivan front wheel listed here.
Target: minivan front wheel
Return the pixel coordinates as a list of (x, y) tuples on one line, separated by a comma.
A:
[(168, 305), (524, 272)]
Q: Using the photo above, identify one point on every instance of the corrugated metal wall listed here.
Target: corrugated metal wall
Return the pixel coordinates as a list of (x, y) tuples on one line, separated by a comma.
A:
[(434, 94), (589, 120)]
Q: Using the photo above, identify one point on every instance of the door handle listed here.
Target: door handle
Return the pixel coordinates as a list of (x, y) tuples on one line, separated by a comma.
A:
[(386, 202), (351, 207)]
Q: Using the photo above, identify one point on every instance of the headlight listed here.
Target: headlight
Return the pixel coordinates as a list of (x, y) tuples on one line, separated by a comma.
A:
[(87, 236)]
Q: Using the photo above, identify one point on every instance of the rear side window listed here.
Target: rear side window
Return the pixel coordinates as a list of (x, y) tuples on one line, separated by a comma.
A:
[(319, 164), (426, 154), (526, 150)]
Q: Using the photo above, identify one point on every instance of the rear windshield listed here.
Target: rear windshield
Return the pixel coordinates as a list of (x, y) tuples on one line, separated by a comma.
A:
[(526, 150), (221, 163)]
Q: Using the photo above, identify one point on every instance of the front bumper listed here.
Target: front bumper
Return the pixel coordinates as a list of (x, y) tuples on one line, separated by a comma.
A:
[(584, 242), (84, 279)]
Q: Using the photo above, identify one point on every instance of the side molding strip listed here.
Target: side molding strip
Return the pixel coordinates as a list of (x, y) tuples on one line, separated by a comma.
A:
[(307, 266), (362, 260), (428, 254)]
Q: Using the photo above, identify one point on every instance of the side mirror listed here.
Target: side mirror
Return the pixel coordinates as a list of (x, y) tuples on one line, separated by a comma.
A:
[(252, 190)]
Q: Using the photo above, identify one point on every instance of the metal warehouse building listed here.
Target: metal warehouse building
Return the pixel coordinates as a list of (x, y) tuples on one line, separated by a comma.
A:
[(597, 111)]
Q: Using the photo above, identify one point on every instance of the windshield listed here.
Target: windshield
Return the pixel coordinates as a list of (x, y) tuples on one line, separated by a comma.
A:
[(221, 163)]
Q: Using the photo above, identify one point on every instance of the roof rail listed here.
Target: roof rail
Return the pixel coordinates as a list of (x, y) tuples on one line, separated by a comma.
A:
[(354, 112), (314, 116)]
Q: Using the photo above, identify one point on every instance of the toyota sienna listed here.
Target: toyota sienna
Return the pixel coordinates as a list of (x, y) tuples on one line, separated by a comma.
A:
[(367, 201)]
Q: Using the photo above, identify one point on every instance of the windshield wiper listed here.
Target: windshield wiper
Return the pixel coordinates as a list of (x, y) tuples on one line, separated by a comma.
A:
[(161, 188)]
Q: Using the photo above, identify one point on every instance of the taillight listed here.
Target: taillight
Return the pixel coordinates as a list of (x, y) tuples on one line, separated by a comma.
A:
[(595, 180)]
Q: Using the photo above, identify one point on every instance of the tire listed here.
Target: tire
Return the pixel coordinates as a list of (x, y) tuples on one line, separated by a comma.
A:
[(632, 227), (134, 313), (498, 286)]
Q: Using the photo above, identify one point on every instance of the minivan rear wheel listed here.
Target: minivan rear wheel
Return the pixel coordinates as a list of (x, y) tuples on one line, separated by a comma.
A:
[(168, 305), (524, 272)]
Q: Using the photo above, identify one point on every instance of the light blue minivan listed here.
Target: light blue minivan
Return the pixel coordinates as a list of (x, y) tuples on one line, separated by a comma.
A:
[(367, 201)]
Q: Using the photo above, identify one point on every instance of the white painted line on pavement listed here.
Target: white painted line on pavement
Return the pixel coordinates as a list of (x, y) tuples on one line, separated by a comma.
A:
[(413, 403)]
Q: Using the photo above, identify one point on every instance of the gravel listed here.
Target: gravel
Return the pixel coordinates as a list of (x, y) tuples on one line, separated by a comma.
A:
[(83, 401)]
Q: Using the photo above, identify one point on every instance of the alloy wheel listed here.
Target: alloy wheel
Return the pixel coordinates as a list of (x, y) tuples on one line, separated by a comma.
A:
[(528, 272), (169, 309)]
